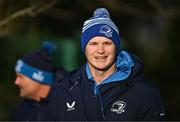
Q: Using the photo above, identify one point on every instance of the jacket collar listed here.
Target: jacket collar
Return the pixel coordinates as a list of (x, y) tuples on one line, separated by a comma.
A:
[(76, 75)]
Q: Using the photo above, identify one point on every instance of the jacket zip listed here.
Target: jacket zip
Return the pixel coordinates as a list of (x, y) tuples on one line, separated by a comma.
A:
[(101, 104)]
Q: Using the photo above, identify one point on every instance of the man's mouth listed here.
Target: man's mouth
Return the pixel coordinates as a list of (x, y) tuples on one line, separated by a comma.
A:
[(101, 57)]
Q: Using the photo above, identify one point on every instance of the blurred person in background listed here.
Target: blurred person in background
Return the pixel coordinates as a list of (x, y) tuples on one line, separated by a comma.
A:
[(110, 86), (35, 74)]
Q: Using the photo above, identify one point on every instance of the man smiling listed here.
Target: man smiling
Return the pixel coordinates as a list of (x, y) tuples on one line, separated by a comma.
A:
[(34, 77), (100, 53), (110, 86)]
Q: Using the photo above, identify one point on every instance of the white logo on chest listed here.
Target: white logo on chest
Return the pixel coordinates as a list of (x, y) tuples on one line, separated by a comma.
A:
[(71, 106), (118, 107)]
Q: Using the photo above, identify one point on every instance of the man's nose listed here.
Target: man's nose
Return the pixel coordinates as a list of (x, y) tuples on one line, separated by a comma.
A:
[(101, 48), (17, 81)]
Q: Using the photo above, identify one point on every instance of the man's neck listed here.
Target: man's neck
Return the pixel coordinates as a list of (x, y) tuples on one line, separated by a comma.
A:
[(100, 75)]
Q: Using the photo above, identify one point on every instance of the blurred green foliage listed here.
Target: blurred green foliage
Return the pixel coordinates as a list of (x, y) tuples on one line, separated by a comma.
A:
[(150, 29)]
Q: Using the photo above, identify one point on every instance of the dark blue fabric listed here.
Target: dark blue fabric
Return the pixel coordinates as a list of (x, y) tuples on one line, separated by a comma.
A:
[(95, 31), (31, 110), (100, 25), (34, 73), (124, 64), (131, 99)]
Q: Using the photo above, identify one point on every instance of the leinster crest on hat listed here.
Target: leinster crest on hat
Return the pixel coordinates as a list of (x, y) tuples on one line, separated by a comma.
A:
[(106, 30)]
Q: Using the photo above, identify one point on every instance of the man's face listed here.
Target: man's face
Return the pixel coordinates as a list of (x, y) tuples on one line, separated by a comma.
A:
[(100, 53), (28, 87)]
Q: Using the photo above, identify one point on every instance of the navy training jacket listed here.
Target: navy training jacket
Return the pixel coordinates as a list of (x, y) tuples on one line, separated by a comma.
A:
[(131, 99), (30, 110)]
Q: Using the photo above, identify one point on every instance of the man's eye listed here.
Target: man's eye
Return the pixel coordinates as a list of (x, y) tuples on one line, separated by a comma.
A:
[(92, 43), (108, 43)]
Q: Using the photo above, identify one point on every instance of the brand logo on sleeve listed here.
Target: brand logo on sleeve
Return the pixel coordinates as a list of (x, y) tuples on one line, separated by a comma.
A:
[(118, 107), (162, 113), (71, 106)]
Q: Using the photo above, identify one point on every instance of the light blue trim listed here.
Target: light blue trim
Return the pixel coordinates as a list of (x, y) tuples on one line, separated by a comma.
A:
[(89, 75), (124, 63), (100, 30), (91, 22), (34, 73)]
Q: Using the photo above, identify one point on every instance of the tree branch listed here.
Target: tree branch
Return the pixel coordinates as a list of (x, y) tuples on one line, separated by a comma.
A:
[(164, 11), (31, 11), (157, 6), (43, 8), (61, 14), (17, 14), (123, 7)]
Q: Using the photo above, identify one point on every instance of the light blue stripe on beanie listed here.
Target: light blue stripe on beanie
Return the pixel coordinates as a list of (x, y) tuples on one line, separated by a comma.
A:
[(38, 64), (33, 73), (100, 25)]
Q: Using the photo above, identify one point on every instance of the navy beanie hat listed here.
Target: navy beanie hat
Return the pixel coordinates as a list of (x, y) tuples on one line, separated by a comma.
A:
[(100, 25), (38, 65)]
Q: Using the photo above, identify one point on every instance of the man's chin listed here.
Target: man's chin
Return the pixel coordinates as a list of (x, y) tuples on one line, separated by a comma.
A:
[(21, 95), (102, 68)]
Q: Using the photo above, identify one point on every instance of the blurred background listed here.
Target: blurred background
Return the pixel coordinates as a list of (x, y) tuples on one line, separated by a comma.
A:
[(148, 28)]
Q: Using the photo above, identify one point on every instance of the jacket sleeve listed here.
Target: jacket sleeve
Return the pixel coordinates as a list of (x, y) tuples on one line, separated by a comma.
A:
[(152, 107)]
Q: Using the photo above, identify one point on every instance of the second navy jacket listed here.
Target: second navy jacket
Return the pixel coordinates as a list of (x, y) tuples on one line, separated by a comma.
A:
[(131, 99)]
